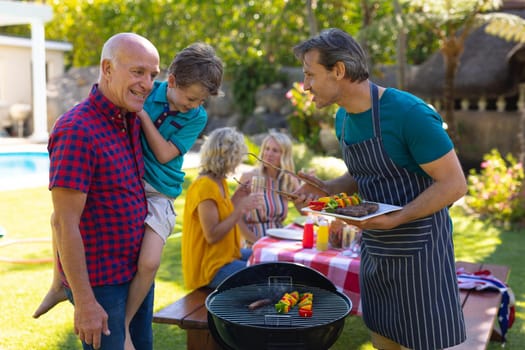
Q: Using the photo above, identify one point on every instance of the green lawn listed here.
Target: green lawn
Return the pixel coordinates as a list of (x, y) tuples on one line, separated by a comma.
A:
[(25, 214)]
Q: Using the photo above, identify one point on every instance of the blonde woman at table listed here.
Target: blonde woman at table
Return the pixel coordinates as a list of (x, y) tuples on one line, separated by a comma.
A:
[(276, 149), (212, 227)]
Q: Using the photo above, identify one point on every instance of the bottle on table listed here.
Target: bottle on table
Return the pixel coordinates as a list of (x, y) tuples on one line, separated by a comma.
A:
[(308, 233), (322, 235)]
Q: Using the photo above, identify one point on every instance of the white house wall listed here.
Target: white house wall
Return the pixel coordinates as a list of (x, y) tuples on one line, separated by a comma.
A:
[(55, 64), (16, 72), (17, 75), (35, 15)]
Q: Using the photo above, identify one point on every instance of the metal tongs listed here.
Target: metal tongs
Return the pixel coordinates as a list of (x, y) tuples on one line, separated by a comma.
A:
[(311, 183), (288, 195)]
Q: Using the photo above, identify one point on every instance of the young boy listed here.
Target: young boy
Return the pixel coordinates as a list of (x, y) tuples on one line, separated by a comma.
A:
[(172, 119)]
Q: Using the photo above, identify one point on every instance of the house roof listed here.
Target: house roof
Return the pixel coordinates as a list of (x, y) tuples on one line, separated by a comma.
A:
[(17, 12), (513, 4), (489, 66), (26, 42)]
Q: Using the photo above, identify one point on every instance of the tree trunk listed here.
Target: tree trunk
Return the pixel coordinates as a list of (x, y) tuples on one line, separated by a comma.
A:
[(401, 47), (521, 135), (521, 139), (312, 23), (367, 14), (451, 50)]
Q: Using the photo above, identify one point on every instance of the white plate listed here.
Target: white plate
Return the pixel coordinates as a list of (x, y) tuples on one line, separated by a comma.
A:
[(383, 209), (285, 233)]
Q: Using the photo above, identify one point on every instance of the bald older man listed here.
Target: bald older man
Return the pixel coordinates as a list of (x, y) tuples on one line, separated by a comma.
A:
[(99, 204)]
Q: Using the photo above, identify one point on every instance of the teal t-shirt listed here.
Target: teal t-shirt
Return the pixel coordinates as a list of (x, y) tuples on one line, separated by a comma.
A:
[(412, 131), (181, 129)]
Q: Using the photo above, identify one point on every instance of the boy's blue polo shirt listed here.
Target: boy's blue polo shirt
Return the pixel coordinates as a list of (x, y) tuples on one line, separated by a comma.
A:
[(181, 129)]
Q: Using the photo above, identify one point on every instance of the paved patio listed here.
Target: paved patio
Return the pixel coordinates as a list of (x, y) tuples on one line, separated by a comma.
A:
[(19, 144)]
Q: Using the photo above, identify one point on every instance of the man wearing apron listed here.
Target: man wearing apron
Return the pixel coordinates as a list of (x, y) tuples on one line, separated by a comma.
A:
[(396, 152)]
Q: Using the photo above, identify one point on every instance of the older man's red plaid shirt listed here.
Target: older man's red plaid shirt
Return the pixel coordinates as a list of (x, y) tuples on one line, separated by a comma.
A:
[(93, 151)]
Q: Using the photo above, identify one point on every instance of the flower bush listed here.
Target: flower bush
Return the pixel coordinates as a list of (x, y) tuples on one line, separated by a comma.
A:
[(496, 191), (306, 120)]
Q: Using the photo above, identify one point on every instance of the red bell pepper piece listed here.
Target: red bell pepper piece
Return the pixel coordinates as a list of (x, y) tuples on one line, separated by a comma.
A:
[(305, 313), (316, 205)]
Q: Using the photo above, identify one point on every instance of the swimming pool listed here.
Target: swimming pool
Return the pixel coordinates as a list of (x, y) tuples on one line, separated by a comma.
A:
[(28, 167), (23, 170)]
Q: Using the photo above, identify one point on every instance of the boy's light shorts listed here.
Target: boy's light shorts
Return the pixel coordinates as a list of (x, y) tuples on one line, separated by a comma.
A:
[(161, 215)]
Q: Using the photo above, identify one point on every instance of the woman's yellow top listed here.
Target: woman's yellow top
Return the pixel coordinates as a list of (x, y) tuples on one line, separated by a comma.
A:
[(200, 259)]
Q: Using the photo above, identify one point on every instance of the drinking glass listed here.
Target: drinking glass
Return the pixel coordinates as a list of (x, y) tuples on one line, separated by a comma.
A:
[(351, 241), (257, 185)]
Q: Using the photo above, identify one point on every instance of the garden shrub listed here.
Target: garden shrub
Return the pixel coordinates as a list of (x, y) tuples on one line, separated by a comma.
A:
[(247, 76), (495, 192), (252, 148), (327, 168), (306, 119), (323, 167), (302, 155)]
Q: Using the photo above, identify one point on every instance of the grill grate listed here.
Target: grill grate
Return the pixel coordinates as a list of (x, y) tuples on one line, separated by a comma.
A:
[(232, 305)]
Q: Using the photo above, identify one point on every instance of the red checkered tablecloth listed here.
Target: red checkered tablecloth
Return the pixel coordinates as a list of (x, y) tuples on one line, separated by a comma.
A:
[(342, 270)]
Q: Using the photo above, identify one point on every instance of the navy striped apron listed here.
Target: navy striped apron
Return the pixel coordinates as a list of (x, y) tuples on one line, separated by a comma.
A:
[(408, 284)]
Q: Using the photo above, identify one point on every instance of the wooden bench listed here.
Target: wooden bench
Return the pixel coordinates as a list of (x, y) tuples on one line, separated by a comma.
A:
[(190, 314), (480, 308)]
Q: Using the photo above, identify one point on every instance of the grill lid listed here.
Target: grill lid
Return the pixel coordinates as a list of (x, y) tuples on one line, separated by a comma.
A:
[(302, 275)]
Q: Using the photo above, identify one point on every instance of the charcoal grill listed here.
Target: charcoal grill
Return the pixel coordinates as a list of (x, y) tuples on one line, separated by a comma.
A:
[(235, 327)]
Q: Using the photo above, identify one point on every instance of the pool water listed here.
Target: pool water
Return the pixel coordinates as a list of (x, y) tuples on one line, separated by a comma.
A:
[(23, 170)]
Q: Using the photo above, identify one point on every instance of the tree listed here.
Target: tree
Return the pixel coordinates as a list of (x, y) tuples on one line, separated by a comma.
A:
[(252, 37), (245, 34), (452, 21)]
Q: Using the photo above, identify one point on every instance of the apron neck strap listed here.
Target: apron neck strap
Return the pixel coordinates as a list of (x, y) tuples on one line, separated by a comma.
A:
[(374, 95)]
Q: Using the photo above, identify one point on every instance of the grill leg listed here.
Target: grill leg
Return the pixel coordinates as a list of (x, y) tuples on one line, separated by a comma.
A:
[(200, 339)]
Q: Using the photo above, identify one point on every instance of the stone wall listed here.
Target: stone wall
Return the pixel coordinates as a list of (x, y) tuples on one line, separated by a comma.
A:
[(481, 131)]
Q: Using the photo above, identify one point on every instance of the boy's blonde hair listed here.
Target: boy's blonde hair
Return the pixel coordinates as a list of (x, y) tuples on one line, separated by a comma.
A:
[(198, 64)]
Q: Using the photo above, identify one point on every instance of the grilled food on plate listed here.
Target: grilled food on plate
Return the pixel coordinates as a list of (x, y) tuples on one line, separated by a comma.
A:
[(344, 204)]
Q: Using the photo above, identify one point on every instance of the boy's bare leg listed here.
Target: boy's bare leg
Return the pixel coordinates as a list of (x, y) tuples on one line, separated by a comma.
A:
[(56, 292), (148, 264)]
